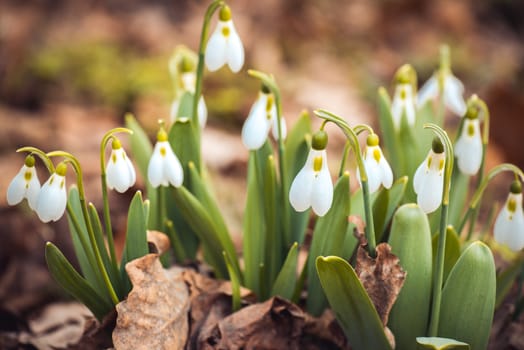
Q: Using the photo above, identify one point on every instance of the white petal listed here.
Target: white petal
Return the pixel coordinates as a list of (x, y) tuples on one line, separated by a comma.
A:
[(235, 50), (16, 189), (117, 171), (33, 191), (430, 195), (453, 90), (283, 128), (396, 109), (468, 150), (428, 91), (374, 174), (420, 173), (216, 55), (52, 200), (173, 169), (387, 173), (509, 227), (256, 126), (322, 192), (132, 172), (155, 172), (301, 188), (188, 81), (202, 112)]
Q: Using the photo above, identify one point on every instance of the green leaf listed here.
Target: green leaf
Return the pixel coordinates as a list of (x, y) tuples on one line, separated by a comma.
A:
[(506, 279), (353, 308), (385, 204), (468, 298), (458, 196), (436, 343), (286, 280), (273, 250), (329, 231), (183, 135), (235, 283), (196, 216), (254, 228), (410, 241), (452, 251), (81, 242), (389, 134), (74, 284), (136, 236)]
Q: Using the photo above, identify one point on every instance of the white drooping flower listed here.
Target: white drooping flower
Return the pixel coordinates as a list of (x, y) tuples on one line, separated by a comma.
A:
[(452, 90), (509, 226), (24, 185), (313, 187), (428, 181), (262, 117), (187, 84), (224, 45), (403, 104), (377, 167), (468, 148), (52, 199), (164, 167), (120, 173)]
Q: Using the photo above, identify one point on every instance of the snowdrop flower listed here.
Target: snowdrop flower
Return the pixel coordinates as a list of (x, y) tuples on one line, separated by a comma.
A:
[(52, 200), (187, 84), (164, 167), (313, 187), (403, 104), (468, 148), (24, 185), (509, 226), (224, 45), (377, 167), (428, 180), (261, 118), (446, 83), (120, 173)]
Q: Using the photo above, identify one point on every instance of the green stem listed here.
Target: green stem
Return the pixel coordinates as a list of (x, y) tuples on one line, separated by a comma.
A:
[(352, 137), (441, 248), (78, 170), (107, 215), (200, 68), (345, 155)]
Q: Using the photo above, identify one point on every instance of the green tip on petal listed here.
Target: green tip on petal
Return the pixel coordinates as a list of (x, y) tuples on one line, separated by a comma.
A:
[(405, 75), (29, 161), (372, 140), (186, 65), (437, 145), (61, 169), (319, 140), (161, 136), (516, 187), (225, 13)]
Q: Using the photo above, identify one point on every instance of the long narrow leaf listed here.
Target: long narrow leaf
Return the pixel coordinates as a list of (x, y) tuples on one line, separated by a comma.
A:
[(286, 280), (69, 279), (353, 309)]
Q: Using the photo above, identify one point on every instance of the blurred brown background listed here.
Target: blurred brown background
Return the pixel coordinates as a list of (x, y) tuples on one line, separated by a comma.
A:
[(69, 70)]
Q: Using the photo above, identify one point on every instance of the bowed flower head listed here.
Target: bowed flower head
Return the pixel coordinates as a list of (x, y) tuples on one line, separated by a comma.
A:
[(224, 45), (509, 226), (313, 187), (52, 200), (428, 181), (468, 148), (24, 185), (377, 167), (403, 101), (164, 167), (120, 172), (261, 118)]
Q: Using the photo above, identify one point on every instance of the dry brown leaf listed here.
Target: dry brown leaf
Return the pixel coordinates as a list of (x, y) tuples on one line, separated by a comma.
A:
[(382, 277), (154, 316), (160, 241)]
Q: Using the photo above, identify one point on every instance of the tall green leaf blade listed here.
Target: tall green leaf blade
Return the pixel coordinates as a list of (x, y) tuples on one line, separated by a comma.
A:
[(389, 133), (254, 228), (410, 241), (452, 251), (385, 204), (286, 280), (71, 281), (195, 214), (353, 309), (136, 236), (183, 135), (458, 196), (273, 255), (468, 298), (329, 231), (235, 283)]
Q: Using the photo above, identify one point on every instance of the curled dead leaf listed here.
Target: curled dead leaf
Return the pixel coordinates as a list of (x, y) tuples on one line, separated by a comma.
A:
[(159, 240), (154, 316)]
